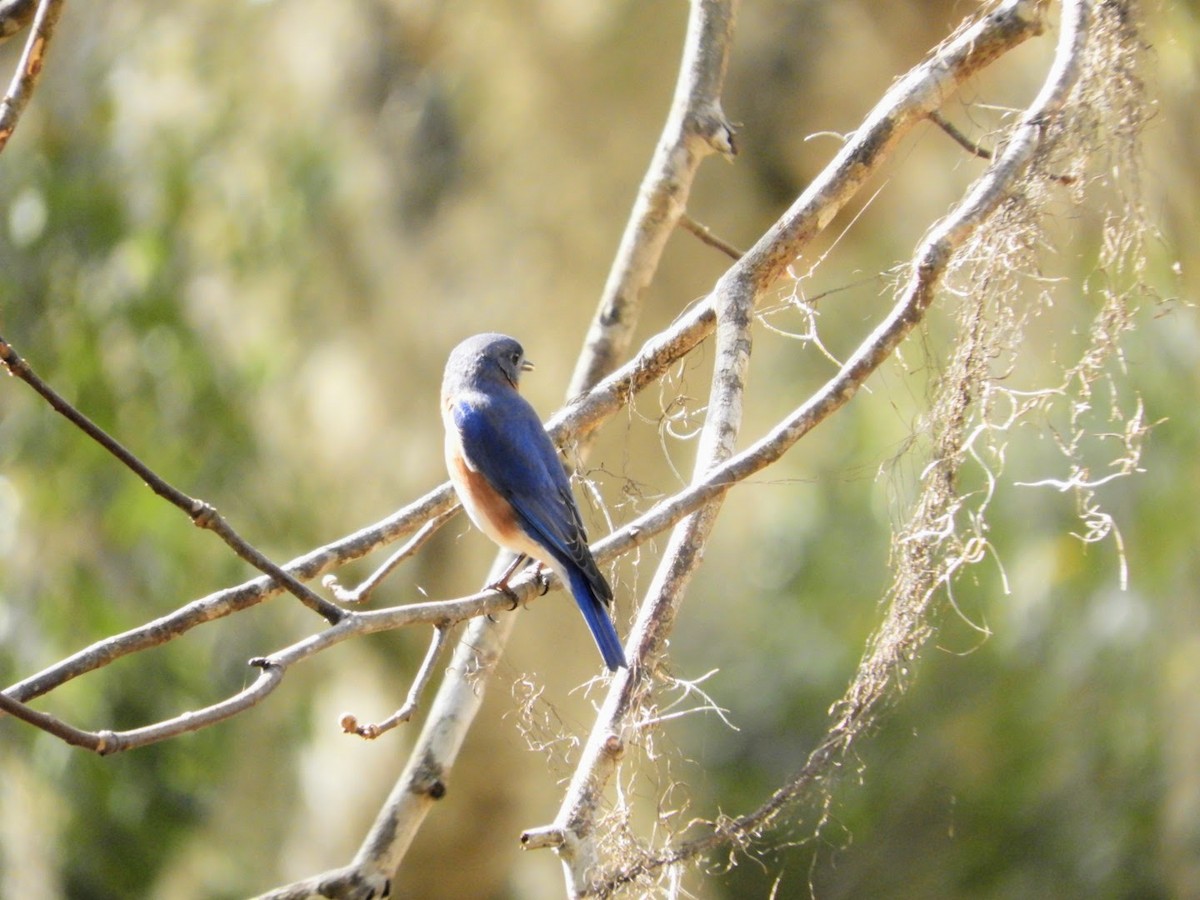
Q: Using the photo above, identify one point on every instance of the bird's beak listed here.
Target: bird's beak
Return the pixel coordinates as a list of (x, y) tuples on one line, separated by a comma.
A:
[(526, 366)]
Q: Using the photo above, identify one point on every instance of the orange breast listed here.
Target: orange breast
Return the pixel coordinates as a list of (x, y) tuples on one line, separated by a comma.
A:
[(490, 512)]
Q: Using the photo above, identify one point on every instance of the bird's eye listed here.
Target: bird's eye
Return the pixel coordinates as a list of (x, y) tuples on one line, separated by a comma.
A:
[(516, 359)]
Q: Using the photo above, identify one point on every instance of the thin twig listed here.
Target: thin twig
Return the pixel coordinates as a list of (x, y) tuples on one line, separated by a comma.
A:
[(364, 590), (705, 234), (202, 514), (370, 731), (959, 138), (29, 68), (106, 742)]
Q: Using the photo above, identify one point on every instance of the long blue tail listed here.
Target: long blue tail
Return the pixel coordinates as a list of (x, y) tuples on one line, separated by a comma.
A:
[(598, 622)]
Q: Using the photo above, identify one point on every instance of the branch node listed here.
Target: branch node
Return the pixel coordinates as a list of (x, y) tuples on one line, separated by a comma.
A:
[(107, 742), (614, 747), (203, 514)]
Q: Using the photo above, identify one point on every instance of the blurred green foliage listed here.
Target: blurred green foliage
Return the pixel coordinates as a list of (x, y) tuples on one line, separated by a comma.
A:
[(242, 236)]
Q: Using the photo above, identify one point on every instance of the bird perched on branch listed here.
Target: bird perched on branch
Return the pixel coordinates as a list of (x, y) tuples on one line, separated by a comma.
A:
[(510, 480)]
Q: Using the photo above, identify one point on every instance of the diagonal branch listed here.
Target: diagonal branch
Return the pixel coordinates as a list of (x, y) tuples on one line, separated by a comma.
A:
[(202, 514), (959, 138), (367, 587), (574, 828), (705, 235), (13, 17), (695, 128)]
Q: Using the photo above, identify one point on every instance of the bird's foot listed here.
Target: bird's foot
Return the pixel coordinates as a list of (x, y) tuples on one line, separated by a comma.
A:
[(501, 583), (503, 588), (541, 575)]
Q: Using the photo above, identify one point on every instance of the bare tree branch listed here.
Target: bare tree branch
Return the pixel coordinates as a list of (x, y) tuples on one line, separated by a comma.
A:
[(705, 234), (15, 15), (361, 593), (12, 18), (106, 742), (202, 514), (696, 127), (350, 723), (958, 137)]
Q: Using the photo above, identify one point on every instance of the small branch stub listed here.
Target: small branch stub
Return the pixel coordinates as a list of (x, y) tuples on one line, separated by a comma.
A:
[(711, 125), (548, 836)]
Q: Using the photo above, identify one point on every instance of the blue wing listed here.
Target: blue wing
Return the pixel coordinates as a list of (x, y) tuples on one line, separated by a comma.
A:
[(503, 438)]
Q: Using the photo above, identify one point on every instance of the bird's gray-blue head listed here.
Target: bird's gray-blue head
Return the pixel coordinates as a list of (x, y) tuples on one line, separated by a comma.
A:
[(483, 358)]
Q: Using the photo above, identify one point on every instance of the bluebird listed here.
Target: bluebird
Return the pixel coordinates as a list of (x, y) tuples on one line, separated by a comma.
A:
[(510, 480)]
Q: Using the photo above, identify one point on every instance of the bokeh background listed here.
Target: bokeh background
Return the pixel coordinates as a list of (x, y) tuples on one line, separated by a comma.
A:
[(243, 236)]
